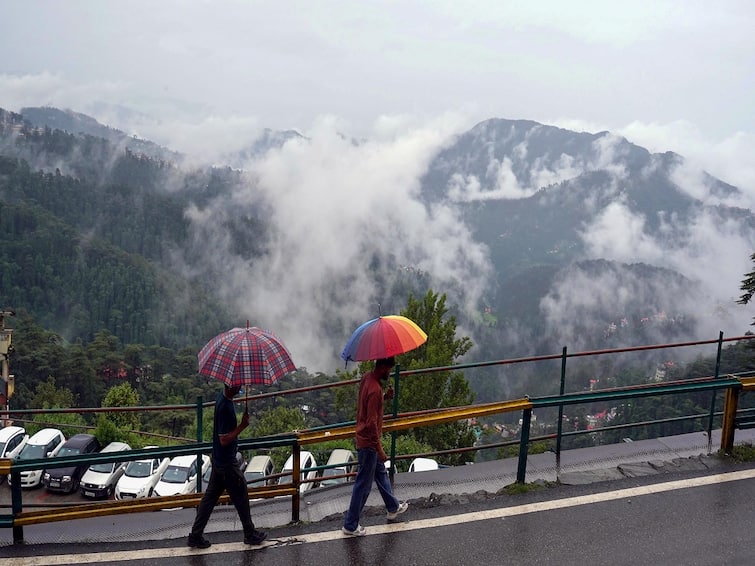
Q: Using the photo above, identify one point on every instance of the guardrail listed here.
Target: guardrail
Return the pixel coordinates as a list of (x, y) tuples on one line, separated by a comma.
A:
[(731, 419)]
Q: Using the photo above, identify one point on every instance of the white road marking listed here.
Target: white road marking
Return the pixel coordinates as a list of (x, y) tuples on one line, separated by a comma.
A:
[(499, 513)]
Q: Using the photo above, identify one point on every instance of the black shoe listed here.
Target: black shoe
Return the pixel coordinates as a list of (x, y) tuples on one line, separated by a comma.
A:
[(255, 538), (199, 542)]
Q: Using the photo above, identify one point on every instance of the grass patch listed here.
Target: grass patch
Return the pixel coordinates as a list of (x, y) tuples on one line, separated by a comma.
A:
[(743, 453)]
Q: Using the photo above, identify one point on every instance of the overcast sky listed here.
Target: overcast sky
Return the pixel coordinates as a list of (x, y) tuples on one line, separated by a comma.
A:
[(676, 74), (207, 76)]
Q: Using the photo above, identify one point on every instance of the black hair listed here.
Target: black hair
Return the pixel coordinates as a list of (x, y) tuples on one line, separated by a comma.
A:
[(390, 362)]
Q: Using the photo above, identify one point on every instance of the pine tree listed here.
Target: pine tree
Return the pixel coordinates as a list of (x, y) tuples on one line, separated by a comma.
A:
[(438, 389)]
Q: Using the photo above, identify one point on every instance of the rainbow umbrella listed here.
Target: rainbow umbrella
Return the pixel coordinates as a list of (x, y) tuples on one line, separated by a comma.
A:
[(383, 337)]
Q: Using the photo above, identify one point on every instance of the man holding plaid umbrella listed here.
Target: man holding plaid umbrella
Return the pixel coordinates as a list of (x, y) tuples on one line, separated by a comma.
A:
[(226, 474), (240, 356)]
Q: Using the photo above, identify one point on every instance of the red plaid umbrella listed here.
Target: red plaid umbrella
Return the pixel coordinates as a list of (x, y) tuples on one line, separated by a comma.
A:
[(245, 356)]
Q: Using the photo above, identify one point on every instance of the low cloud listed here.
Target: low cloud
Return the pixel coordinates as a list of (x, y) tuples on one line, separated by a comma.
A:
[(729, 158), (711, 252), (334, 207)]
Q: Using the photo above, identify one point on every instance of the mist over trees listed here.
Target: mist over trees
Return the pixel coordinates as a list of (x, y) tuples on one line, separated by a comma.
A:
[(95, 258)]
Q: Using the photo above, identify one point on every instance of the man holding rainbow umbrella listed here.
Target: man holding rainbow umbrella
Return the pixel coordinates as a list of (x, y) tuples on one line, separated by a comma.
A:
[(379, 339)]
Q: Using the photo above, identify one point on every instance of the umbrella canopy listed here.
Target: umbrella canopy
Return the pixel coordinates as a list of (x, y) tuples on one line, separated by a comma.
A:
[(383, 337), (245, 356)]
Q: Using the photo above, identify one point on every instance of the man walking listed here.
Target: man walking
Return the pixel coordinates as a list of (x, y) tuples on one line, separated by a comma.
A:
[(226, 475), (370, 453)]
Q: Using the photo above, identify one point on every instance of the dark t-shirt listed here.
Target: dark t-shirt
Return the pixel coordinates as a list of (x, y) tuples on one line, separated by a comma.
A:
[(225, 422)]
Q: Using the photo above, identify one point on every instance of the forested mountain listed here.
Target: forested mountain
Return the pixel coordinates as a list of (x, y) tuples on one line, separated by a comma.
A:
[(90, 250), (113, 277), (96, 232), (544, 200), (80, 124)]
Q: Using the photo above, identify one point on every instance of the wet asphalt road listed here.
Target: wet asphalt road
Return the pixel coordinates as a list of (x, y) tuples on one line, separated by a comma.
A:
[(665, 519)]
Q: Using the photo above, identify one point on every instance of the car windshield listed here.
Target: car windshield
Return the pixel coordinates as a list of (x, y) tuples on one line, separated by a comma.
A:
[(68, 451), (32, 452), (103, 468), (252, 477), (332, 472), (2, 447), (176, 474), (139, 469)]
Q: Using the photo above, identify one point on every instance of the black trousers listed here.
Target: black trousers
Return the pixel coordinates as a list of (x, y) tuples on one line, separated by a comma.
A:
[(229, 479)]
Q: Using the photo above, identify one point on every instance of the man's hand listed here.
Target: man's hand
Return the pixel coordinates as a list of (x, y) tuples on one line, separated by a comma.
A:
[(388, 395), (245, 419)]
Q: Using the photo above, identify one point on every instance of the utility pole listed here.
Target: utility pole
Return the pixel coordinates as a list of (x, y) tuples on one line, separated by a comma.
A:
[(6, 349)]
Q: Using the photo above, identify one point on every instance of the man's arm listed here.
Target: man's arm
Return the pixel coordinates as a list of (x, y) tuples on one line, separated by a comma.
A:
[(375, 409), (229, 437)]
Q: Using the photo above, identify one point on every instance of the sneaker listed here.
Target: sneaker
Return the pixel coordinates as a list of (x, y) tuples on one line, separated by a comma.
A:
[(360, 531), (198, 542), (402, 507), (255, 538)]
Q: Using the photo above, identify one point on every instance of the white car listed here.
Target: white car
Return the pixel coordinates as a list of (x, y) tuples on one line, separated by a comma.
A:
[(44, 444), (99, 480), (12, 441), (140, 477), (346, 463), (257, 471), (423, 465), (306, 460), (180, 477)]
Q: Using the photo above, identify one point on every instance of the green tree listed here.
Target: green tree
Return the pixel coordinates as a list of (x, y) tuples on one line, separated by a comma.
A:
[(122, 395), (438, 389), (278, 420), (68, 423), (77, 374), (748, 286), (48, 396)]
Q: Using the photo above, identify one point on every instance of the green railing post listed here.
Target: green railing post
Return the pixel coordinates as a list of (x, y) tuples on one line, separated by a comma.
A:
[(17, 505), (715, 391), (392, 471), (200, 439), (524, 441), (559, 428)]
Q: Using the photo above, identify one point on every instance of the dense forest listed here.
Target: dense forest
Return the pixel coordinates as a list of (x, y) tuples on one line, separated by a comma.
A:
[(91, 234)]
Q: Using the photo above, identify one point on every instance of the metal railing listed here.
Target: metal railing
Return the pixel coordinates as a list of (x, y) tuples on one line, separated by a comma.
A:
[(731, 417)]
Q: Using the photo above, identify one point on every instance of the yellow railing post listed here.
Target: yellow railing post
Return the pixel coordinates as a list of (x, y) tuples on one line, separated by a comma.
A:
[(731, 400)]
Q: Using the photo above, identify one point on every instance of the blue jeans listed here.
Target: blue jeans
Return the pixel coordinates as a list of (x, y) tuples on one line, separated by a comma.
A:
[(369, 470)]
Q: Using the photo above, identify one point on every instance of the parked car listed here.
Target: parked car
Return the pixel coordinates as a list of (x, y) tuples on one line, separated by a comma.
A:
[(346, 464), (140, 477), (100, 479), (257, 471), (180, 477), (67, 479), (306, 460), (423, 465), (240, 462), (46, 443), (12, 441)]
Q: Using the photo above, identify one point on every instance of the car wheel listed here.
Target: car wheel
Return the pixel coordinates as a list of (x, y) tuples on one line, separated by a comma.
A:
[(109, 492), (151, 492)]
